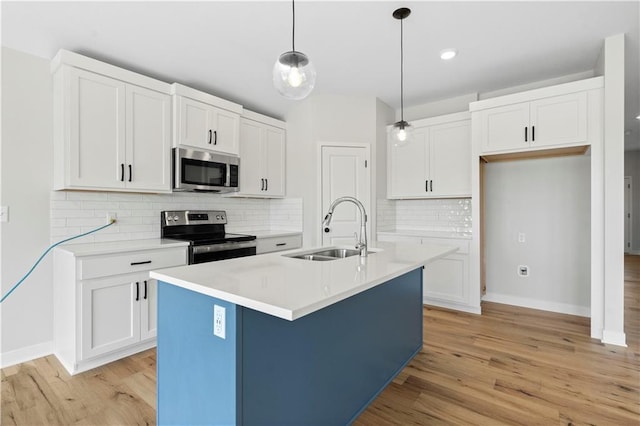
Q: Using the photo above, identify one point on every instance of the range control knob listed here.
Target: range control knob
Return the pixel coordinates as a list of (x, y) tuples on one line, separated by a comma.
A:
[(176, 217)]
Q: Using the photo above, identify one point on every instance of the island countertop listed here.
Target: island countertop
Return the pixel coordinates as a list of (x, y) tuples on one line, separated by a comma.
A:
[(291, 288)]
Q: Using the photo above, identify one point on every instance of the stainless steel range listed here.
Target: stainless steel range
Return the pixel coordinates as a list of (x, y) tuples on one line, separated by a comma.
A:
[(205, 232)]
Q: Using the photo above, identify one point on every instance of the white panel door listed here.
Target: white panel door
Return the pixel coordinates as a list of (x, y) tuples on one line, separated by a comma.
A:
[(251, 177), (627, 213), (274, 160), (148, 140), (559, 120), (225, 125), (344, 173), (194, 129), (97, 130), (110, 315), (450, 159), (148, 309), (409, 168), (505, 128)]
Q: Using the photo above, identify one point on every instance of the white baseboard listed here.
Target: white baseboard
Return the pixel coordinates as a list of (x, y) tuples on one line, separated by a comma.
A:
[(452, 305), (29, 353), (634, 252), (614, 338), (543, 305)]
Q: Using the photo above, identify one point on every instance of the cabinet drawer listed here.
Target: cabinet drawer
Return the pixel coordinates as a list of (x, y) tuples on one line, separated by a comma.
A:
[(267, 245), (463, 245), (136, 261)]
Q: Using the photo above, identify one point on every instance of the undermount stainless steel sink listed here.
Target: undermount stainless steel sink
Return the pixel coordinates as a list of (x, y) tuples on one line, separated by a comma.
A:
[(325, 254)]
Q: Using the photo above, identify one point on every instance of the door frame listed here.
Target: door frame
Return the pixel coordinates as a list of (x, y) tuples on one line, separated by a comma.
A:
[(628, 195), (319, 215)]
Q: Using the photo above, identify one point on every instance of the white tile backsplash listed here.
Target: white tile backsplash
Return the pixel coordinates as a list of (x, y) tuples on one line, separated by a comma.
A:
[(138, 215), (451, 215)]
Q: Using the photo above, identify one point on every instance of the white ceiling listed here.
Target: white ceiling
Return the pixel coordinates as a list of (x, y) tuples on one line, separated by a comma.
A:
[(229, 48)]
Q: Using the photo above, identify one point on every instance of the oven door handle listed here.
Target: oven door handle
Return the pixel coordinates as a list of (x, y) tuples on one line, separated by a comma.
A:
[(231, 245)]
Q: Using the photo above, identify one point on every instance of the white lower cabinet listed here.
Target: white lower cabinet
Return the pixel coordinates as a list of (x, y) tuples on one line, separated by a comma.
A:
[(278, 243), (445, 281), (105, 305)]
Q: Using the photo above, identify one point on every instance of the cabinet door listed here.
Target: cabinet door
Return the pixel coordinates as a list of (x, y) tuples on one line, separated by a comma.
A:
[(408, 167), (559, 120), (148, 309), (97, 131), (148, 145), (193, 124), (110, 315), (503, 128), (446, 279), (251, 176), (273, 149), (450, 159), (226, 126)]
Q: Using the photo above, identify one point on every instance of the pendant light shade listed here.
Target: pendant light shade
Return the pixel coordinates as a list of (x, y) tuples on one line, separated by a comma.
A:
[(401, 132), (294, 76)]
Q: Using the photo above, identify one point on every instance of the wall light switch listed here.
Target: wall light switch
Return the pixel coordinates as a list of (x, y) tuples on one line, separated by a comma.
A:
[(219, 321), (521, 237)]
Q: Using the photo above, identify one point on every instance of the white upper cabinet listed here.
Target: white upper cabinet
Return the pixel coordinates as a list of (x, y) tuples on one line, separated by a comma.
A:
[(204, 121), (557, 116), (109, 134), (262, 156), (436, 163)]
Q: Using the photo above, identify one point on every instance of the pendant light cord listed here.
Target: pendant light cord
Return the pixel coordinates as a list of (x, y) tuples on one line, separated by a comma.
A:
[(401, 71), (293, 30)]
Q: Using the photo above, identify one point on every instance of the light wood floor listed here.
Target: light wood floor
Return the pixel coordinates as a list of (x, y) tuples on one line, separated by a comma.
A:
[(508, 366)]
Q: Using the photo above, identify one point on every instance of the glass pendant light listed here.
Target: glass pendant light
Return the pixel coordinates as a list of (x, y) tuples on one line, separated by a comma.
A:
[(293, 73), (401, 132)]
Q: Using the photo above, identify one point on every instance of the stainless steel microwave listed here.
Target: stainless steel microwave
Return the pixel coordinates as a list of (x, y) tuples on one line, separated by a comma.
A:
[(195, 170)]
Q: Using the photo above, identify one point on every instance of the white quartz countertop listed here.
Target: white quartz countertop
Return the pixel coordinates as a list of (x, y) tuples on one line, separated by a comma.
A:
[(91, 249), (271, 233), (290, 288), (427, 234)]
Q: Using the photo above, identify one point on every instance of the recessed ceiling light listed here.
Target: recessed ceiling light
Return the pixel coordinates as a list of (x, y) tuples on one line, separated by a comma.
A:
[(448, 54), (638, 117)]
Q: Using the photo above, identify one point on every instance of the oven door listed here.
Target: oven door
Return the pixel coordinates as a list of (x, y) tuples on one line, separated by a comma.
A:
[(229, 250), (204, 171)]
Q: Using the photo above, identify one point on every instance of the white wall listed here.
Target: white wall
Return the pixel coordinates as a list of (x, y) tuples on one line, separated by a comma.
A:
[(327, 119), (632, 168), (27, 126), (549, 201), (40, 216)]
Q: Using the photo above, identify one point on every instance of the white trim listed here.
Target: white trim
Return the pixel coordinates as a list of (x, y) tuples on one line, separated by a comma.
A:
[(634, 252), (441, 119), (451, 305), (543, 305), (545, 92), (319, 215), (28, 353), (66, 57), (264, 119), (628, 180), (614, 338), (178, 89)]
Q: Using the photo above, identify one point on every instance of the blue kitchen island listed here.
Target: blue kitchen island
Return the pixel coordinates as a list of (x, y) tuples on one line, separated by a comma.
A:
[(298, 342)]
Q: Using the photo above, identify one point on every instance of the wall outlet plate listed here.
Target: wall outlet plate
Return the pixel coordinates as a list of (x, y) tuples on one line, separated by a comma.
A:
[(111, 217), (523, 271), (219, 321), (4, 213)]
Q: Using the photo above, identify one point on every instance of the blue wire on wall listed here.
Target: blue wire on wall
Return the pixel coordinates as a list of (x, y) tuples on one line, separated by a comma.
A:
[(47, 251)]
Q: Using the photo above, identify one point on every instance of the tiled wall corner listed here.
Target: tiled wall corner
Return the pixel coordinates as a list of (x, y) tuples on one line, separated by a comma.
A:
[(453, 215), (138, 215), (386, 210), (286, 214)]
